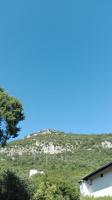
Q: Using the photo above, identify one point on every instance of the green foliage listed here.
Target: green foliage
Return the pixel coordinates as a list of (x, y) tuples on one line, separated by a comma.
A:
[(63, 170), (48, 190), (11, 113), (92, 198), (12, 187)]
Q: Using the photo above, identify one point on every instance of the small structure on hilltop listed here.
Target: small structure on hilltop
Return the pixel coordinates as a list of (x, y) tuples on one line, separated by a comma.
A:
[(33, 172), (97, 183)]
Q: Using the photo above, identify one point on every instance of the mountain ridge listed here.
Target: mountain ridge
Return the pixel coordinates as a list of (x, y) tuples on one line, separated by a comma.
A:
[(58, 154)]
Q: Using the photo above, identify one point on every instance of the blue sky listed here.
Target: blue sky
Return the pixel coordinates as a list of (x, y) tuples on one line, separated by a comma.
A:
[(56, 57)]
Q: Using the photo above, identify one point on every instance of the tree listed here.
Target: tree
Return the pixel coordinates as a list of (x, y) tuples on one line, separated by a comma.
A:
[(49, 190), (46, 191), (11, 113), (13, 187)]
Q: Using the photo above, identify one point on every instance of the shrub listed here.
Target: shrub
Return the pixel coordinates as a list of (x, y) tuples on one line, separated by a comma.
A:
[(12, 187), (48, 190)]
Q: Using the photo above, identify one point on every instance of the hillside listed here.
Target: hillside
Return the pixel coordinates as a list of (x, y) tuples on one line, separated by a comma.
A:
[(59, 155)]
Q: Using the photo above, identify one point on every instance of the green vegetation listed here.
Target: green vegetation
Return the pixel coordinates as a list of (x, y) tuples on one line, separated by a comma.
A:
[(62, 158), (11, 113), (92, 198), (49, 190), (78, 155), (12, 187)]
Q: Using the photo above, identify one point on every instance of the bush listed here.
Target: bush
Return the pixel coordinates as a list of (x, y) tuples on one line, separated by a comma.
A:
[(13, 187), (48, 190), (68, 191)]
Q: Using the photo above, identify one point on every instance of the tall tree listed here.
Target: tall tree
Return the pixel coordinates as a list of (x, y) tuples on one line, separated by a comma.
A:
[(11, 113)]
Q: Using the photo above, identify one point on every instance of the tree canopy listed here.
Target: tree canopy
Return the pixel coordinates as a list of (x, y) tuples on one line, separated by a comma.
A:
[(11, 113), (14, 187)]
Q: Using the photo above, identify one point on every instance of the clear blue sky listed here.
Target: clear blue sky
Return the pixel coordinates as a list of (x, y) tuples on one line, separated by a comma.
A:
[(56, 57)]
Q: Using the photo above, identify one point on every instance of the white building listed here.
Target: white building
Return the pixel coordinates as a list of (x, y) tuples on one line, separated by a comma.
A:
[(97, 183), (33, 172)]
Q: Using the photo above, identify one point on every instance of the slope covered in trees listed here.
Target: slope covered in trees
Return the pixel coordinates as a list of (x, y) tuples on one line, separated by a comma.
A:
[(60, 156)]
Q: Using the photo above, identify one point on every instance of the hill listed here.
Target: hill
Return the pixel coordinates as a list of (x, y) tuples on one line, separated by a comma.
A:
[(57, 154)]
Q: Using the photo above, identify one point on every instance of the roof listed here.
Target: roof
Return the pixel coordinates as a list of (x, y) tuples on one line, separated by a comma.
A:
[(97, 171)]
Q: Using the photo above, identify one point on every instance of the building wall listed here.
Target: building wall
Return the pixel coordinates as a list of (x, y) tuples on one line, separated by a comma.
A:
[(98, 185), (84, 189)]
